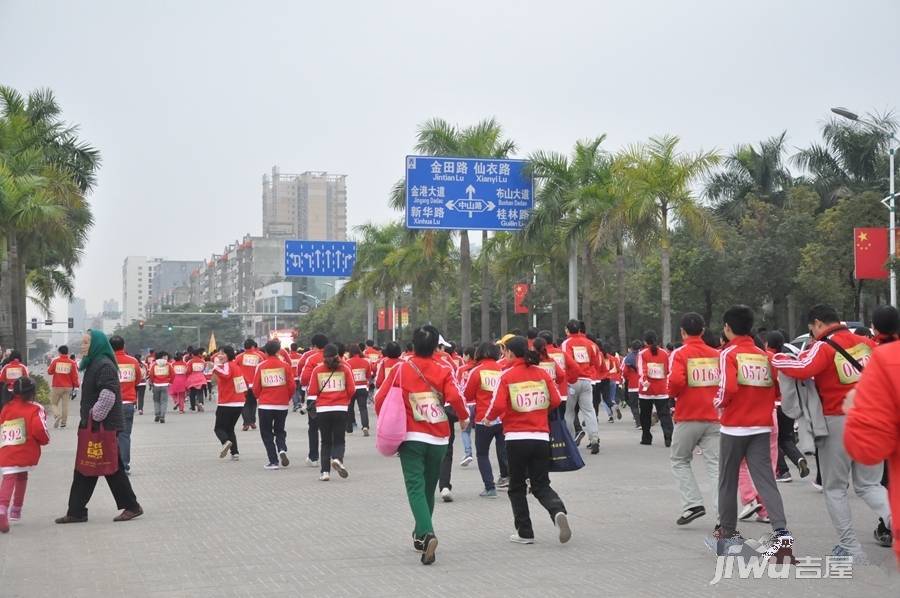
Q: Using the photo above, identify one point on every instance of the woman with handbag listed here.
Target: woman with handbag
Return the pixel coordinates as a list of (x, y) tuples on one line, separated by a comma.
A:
[(425, 385), (331, 387), (101, 407), (524, 398)]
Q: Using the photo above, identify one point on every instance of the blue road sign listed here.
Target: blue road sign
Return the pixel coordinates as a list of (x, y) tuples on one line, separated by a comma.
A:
[(319, 258), (467, 193)]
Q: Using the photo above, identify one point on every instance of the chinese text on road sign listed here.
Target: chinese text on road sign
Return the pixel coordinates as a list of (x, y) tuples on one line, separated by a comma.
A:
[(319, 258), (467, 193)]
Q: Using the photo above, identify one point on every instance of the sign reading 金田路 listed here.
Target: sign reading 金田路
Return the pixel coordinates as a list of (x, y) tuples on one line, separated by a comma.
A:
[(467, 193)]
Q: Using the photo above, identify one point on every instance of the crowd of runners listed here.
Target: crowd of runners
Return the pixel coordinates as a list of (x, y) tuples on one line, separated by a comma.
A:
[(739, 400)]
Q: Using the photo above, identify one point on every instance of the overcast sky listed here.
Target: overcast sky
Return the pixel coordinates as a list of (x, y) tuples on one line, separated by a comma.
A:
[(191, 102)]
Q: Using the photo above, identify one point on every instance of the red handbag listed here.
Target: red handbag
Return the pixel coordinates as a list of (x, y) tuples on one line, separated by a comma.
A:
[(98, 451)]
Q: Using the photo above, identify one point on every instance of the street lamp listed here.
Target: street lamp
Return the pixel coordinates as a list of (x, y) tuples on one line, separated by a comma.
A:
[(892, 236)]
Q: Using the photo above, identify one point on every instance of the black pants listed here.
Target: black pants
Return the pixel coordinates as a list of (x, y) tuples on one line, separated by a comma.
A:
[(313, 431), (530, 459), (271, 429), (483, 437), (360, 400), (331, 428), (196, 397), (662, 411), (786, 445), (141, 390), (83, 488), (447, 463), (226, 419), (249, 412)]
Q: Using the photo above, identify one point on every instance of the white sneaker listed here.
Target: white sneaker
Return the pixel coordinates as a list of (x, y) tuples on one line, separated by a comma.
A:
[(339, 467), (749, 510), (225, 448), (271, 466), (466, 461), (446, 495), (520, 540), (324, 476), (311, 463), (562, 524), (235, 457), (282, 455)]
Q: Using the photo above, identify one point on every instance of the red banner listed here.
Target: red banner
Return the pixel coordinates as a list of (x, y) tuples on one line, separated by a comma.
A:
[(870, 253), (385, 321), (520, 291)]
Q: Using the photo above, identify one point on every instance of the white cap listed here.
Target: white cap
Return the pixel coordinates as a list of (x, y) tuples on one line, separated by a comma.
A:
[(442, 341)]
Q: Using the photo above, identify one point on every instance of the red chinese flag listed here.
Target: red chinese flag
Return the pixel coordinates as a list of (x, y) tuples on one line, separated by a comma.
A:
[(520, 291), (381, 324), (870, 252)]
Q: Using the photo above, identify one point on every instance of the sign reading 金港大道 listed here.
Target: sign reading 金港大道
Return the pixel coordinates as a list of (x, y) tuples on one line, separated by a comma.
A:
[(319, 258), (467, 193)]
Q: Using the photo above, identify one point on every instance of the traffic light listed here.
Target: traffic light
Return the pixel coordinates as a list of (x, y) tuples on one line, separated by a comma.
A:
[(48, 322), (141, 324), (71, 322), (34, 323)]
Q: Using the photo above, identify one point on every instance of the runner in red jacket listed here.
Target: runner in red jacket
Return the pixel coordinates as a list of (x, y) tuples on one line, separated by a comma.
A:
[(584, 366), (129, 376), (232, 389), (523, 400), (64, 377), (479, 390), (362, 374), (274, 384), (653, 392), (23, 431), (331, 386)]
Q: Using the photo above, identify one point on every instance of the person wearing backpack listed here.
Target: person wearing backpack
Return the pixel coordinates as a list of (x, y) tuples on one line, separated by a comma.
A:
[(835, 361)]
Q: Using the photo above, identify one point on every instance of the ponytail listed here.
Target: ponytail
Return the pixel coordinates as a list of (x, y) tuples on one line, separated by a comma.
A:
[(518, 346), (652, 341), (540, 347)]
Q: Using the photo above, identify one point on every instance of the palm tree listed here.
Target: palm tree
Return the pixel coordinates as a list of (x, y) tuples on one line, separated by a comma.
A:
[(747, 170), (45, 172), (655, 182), (437, 137), (566, 186)]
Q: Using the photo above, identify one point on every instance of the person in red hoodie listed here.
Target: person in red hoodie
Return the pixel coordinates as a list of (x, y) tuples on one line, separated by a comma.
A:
[(392, 353), (248, 362), (746, 398), (872, 429), (129, 376), (232, 389), (835, 361), (9, 373), (63, 372), (585, 367), (311, 359), (23, 431), (479, 390), (161, 375), (652, 366), (331, 386), (426, 386), (362, 374), (523, 400), (196, 378), (693, 383), (274, 384)]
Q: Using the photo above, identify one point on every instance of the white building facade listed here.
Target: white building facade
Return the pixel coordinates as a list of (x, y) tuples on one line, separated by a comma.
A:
[(137, 286)]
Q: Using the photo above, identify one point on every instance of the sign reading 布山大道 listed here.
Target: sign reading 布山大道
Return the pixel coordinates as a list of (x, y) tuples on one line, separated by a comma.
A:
[(467, 193), (319, 258)]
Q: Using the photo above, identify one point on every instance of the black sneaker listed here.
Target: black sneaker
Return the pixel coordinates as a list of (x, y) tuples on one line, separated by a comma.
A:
[(691, 514), (579, 437), (668, 440), (429, 543), (595, 447), (418, 544), (883, 534), (804, 467)]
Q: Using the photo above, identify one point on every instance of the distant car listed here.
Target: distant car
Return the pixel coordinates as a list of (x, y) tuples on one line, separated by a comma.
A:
[(801, 341)]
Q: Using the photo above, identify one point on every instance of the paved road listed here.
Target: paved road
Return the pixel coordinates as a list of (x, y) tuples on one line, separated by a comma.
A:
[(217, 528)]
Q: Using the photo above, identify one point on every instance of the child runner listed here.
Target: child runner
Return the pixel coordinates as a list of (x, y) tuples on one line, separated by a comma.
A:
[(232, 389), (23, 431), (524, 397), (426, 386), (331, 387), (274, 384)]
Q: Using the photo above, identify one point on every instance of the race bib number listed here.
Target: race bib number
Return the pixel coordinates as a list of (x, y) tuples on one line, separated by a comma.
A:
[(12, 432), (372, 357), (250, 360), (560, 360), (63, 367), (656, 371), (846, 372), (161, 370), (336, 384), (581, 354), (489, 380), (198, 367), (549, 367), (295, 363), (127, 373), (14, 373), (529, 396), (426, 407), (272, 377), (753, 370), (240, 385), (180, 369), (702, 371), (359, 375)]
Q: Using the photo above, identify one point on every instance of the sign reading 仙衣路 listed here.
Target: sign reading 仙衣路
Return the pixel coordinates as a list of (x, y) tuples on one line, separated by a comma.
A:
[(467, 193)]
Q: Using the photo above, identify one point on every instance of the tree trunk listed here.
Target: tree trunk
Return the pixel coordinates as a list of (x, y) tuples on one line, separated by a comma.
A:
[(620, 292), (387, 318), (465, 289), (504, 316), (413, 309), (586, 276), (666, 276), (707, 306), (14, 292), (791, 318), (6, 302), (485, 293), (554, 310)]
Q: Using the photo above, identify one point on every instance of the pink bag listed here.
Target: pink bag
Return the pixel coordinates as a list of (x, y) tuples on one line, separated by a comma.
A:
[(390, 430)]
